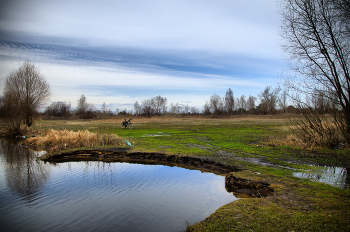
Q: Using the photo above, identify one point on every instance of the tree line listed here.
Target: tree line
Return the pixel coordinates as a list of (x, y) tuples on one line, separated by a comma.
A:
[(269, 101), (84, 110)]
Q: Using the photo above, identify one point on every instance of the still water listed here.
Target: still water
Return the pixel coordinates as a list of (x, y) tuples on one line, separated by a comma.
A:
[(99, 196), (335, 176)]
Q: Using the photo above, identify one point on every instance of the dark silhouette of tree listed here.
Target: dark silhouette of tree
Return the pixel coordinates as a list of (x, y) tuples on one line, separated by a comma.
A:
[(251, 104), (159, 104), (25, 176), (217, 105), (84, 110), (58, 109), (154, 106), (24, 92), (268, 100), (206, 109), (147, 108), (229, 102), (316, 35), (242, 104)]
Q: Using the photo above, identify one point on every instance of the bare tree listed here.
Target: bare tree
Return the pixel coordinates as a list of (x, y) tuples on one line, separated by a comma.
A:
[(283, 101), (159, 104), (194, 110), (216, 104), (319, 102), (137, 108), (251, 104), (238, 103), (104, 108), (343, 9), (316, 37), (147, 108), (185, 109), (12, 118), (206, 109), (242, 104), (268, 99), (25, 91), (229, 102), (155, 105), (84, 109), (175, 108), (58, 109), (81, 105)]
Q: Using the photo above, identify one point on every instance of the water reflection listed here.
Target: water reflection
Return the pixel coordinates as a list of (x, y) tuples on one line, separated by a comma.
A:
[(335, 176), (102, 196), (101, 173), (25, 175)]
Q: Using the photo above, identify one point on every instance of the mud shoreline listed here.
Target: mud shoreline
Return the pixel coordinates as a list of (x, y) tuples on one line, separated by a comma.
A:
[(241, 187)]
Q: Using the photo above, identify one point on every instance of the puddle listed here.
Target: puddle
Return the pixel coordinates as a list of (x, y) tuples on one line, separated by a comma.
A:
[(335, 176), (155, 135)]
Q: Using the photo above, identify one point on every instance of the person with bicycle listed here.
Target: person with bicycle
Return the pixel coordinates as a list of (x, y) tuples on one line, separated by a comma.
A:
[(127, 123)]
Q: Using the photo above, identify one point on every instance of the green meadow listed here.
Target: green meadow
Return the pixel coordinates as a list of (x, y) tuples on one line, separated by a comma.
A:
[(262, 147)]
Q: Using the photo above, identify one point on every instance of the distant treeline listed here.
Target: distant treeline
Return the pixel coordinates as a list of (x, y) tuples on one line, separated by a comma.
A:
[(269, 101)]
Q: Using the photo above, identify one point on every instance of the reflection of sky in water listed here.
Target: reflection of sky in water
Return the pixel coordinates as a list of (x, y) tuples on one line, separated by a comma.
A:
[(90, 196), (335, 176)]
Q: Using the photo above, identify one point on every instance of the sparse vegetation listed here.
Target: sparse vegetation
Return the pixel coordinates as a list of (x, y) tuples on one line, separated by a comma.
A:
[(54, 140)]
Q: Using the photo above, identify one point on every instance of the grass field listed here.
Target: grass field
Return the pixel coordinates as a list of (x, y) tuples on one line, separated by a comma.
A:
[(265, 150)]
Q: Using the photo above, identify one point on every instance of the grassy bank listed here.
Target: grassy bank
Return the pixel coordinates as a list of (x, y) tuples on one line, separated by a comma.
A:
[(263, 147)]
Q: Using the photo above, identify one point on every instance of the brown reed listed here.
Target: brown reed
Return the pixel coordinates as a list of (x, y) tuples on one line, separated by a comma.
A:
[(54, 140)]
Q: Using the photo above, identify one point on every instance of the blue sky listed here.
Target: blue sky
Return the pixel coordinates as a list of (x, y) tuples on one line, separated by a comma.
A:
[(119, 52)]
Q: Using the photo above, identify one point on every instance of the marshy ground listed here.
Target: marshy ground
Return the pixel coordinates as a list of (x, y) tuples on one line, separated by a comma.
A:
[(261, 147)]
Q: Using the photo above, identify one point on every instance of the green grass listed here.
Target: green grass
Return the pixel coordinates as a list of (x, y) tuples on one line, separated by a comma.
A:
[(297, 204)]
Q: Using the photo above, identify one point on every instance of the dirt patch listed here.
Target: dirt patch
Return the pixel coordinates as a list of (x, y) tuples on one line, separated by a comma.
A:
[(246, 187), (260, 160)]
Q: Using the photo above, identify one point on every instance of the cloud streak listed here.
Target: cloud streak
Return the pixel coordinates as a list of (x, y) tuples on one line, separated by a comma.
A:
[(132, 50)]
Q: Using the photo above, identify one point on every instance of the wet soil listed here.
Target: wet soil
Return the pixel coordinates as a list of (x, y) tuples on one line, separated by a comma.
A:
[(125, 155), (239, 186)]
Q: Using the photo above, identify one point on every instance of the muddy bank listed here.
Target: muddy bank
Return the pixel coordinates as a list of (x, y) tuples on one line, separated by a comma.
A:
[(242, 187), (245, 187), (125, 155)]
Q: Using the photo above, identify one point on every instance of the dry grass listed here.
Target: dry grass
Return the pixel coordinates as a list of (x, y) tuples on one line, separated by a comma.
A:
[(290, 140), (60, 140), (188, 119), (317, 131)]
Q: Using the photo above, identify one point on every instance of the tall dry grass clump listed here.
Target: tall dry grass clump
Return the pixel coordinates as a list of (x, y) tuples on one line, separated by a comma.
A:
[(317, 129), (54, 140), (290, 140)]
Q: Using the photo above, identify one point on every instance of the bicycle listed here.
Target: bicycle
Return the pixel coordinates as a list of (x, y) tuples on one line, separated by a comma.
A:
[(128, 123)]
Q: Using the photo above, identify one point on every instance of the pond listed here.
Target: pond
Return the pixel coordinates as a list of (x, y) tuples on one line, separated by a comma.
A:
[(100, 196)]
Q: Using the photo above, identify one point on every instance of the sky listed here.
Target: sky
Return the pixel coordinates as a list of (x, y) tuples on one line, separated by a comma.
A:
[(119, 52)]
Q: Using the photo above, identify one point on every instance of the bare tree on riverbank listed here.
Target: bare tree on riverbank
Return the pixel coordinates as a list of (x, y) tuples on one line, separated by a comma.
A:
[(25, 91)]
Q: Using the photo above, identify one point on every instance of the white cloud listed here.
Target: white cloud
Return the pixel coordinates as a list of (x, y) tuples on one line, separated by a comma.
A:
[(243, 27), (184, 50)]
